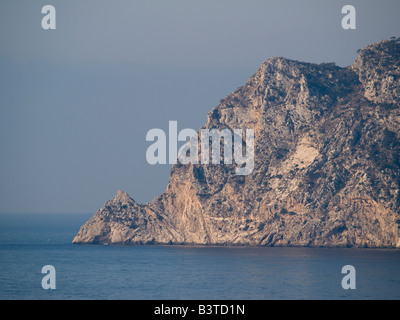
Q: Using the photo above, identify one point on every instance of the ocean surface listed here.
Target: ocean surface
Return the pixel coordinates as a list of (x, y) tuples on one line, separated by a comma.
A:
[(30, 241)]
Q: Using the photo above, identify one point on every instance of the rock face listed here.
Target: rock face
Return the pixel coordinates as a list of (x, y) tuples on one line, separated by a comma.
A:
[(326, 173)]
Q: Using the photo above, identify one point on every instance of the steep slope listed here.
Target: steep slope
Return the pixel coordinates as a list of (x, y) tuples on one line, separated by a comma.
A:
[(326, 173)]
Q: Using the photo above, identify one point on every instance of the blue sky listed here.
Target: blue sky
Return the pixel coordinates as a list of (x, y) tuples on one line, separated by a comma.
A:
[(77, 102)]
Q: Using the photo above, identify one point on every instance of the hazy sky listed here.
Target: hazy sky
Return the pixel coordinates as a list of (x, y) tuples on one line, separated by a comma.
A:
[(76, 102)]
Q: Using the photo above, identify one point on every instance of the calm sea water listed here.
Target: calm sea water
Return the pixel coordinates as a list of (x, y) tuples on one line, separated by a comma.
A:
[(30, 241)]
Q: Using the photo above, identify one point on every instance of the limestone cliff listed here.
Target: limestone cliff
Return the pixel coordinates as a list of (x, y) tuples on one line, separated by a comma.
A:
[(327, 165)]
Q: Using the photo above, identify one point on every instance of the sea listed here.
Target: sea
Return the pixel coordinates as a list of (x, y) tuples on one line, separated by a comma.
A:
[(28, 242)]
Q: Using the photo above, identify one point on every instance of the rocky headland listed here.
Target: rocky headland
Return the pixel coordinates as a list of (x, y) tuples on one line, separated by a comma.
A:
[(326, 171)]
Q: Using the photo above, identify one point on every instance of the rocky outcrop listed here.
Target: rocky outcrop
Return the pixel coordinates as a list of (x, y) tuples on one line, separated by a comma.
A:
[(326, 173)]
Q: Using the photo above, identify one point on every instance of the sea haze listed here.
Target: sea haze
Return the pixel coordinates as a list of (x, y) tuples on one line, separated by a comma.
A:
[(30, 241)]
